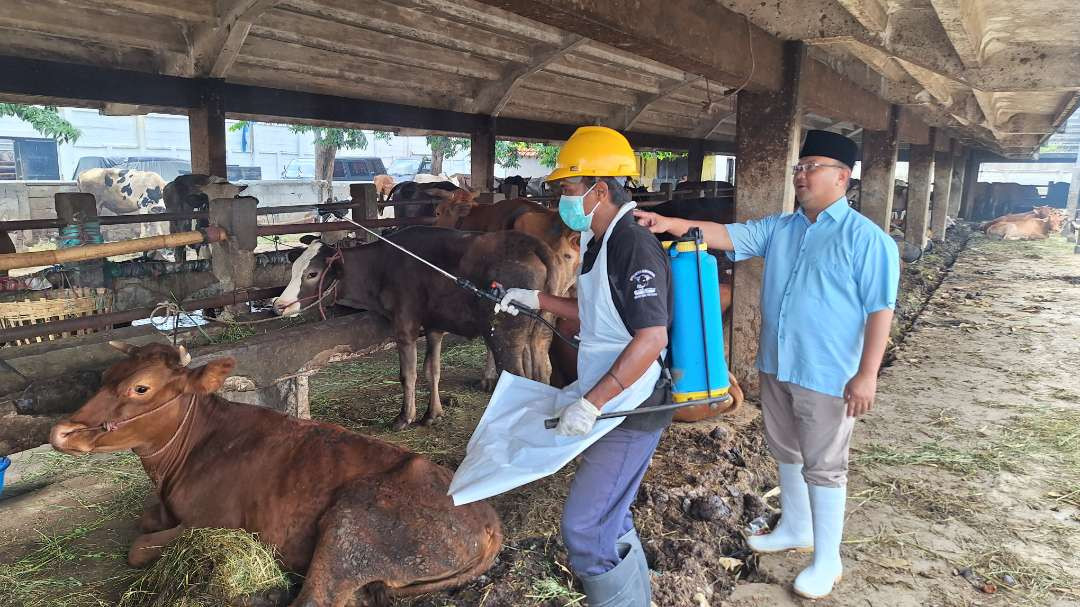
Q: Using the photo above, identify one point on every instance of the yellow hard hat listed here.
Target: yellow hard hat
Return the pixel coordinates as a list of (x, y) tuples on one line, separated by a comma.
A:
[(595, 151)]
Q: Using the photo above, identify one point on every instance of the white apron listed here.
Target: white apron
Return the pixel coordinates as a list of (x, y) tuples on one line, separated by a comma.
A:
[(510, 446)]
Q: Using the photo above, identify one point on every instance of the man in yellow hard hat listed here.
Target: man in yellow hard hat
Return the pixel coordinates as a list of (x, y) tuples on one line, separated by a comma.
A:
[(622, 303)]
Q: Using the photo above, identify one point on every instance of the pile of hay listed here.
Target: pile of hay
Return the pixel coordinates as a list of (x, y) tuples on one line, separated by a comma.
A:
[(209, 567)]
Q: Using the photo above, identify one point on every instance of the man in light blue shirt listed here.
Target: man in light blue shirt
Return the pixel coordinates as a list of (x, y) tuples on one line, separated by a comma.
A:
[(827, 302)]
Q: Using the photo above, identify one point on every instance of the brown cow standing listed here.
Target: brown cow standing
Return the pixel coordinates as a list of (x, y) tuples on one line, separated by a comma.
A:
[(360, 518), (384, 281)]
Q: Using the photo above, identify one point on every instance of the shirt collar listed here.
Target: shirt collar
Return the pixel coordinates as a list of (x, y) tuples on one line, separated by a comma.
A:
[(836, 210)]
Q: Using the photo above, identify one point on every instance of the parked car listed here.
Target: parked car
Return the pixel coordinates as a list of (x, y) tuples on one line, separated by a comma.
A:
[(167, 168), (405, 169), (363, 168)]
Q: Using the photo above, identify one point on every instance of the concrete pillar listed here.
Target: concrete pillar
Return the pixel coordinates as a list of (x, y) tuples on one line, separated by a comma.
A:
[(879, 149), (767, 138), (920, 176), (206, 127), (483, 156), (957, 188), (971, 180), (1073, 198), (695, 160), (943, 167)]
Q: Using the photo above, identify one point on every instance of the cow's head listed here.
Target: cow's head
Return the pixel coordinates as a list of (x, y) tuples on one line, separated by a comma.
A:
[(308, 266), (141, 401), (454, 208), (219, 187)]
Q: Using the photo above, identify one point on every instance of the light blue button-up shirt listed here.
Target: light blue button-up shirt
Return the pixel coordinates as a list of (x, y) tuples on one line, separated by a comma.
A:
[(821, 281)]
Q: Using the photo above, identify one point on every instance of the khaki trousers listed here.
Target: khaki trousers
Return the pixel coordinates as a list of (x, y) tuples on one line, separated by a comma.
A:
[(809, 428)]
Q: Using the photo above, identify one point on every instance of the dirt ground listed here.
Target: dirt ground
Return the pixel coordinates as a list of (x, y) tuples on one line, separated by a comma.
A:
[(969, 463)]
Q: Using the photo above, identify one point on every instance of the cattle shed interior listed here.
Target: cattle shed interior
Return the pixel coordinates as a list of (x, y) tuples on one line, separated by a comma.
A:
[(946, 85)]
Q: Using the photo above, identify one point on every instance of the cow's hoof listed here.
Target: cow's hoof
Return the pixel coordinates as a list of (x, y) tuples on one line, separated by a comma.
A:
[(487, 385), (429, 419), (400, 423)]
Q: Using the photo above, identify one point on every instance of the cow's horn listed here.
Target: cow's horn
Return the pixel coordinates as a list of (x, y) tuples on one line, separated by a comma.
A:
[(126, 348), (185, 356)]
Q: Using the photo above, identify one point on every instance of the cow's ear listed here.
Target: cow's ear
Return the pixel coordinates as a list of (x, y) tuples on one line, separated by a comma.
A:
[(307, 239), (575, 239), (209, 378)]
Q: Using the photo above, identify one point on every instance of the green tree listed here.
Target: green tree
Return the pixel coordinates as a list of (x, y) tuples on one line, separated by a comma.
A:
[(508, 154), (328, 141), (443, 147), (44, 119)]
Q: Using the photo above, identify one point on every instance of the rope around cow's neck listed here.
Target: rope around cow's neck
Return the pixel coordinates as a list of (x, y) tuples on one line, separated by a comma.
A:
[(183, 422), (166, 309)]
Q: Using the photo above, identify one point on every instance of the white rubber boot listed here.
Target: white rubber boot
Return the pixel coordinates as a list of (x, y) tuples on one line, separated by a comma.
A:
[(827, 505), (795, 530)]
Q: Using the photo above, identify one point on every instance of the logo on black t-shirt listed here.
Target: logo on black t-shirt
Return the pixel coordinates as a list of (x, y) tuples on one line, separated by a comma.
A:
[(641, 280)]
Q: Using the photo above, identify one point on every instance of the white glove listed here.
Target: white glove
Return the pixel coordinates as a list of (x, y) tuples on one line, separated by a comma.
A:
[(577, 419), (527, 298)]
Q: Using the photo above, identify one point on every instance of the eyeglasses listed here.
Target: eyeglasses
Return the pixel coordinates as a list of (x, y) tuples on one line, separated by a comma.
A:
[(810, 167)]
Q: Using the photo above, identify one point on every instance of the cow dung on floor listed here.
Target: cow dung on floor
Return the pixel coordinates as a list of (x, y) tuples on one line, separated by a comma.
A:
[(205, 567)]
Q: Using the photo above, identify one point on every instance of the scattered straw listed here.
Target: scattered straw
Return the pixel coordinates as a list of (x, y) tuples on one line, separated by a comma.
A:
[(207, 567)]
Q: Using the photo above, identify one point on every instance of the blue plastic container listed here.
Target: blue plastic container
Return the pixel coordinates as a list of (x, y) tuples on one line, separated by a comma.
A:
[(4, 463), (698, 368)]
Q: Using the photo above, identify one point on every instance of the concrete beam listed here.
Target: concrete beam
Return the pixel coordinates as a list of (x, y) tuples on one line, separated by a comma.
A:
[(767, 141), (627, 116), (920, 177), (943, 174), (830, 94), (958, 27), (879, 151), (912, 129), (710, 125), (493, 97), (1027, 124), (870, 13), (722, 43)]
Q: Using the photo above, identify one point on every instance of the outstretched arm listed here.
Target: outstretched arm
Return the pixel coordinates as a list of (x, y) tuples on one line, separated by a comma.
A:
[(716, 234)]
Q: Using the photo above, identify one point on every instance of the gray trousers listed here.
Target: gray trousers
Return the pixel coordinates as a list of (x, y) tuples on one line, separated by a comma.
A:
[(809, 428), (597, 510)]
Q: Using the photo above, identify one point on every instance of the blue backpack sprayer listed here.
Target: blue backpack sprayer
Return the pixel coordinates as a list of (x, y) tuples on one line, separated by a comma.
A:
[(697, 373)]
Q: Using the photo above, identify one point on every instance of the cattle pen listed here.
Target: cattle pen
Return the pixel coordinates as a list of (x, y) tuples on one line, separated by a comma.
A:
[(965, 484)]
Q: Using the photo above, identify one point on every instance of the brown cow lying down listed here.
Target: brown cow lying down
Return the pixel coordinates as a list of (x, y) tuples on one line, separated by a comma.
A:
[(1036, 224), (384, 281), (355, 515)]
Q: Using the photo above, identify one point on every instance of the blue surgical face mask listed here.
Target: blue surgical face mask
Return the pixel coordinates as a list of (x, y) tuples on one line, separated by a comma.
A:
[(572, 211)]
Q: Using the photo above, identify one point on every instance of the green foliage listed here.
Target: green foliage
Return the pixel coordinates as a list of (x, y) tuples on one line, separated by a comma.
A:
[(44, 119), (508, 153), (663, 155), (447, 146), (330, 137)]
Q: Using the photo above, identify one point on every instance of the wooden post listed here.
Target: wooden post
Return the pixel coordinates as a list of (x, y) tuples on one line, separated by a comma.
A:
[(366, 193), (767, 137), (482, 156), (920, 176), (513, 193), (233, 259), (943, 167), (695, 160), (879, 150), (206, 126), (668, 190)]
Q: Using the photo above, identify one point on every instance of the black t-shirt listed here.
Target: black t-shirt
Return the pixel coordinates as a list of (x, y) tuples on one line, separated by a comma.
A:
[(638, 273)]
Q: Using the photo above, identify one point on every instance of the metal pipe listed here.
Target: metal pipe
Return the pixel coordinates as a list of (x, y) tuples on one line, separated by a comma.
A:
[(335, 226), (98, 321), (31, 259)]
